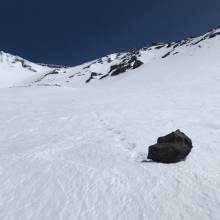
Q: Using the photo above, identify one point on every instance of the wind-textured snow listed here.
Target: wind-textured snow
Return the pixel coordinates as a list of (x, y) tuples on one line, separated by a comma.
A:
[(79, 151)]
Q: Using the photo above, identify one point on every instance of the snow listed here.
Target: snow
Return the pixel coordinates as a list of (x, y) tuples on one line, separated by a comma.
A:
[(79, 151), (13, 74)]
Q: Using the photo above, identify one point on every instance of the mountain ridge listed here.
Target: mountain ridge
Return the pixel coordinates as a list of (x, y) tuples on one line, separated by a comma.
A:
[(109, 65), (77, 150)]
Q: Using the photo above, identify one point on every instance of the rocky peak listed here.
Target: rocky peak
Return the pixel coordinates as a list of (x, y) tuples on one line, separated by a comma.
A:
[(158, 43), (53, 66), (132, 51)]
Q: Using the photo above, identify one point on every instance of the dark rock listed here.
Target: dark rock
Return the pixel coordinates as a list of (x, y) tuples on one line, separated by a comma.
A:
[(118, 54), (166, 55), (90, 65), (145, 47), (169, 45), (56, 71), (92, 76), (137, 63), (133, 51), (214, 35), (159, 47), (133, 58), (100, 60), (24, 63), (158, 43), (120, 70), (171, 148), (183, 43), (125, 64), (104, 76), (123, 57), (202, 39), (116, 66), (109, 60), (53, 66), (211, 30)]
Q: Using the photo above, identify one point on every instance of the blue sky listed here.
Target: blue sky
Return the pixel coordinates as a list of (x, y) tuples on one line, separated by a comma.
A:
[(71, 32)]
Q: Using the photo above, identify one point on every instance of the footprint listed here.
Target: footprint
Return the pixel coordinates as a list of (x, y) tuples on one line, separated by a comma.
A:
[(110, 129), (131, 146), (117, 132)]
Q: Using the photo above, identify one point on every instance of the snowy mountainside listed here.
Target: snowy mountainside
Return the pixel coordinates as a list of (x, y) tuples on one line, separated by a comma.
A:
[(190, 54), (78, 151), (148, 59)]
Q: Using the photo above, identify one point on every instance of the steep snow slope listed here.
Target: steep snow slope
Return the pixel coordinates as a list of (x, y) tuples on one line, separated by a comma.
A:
[(78, 152)]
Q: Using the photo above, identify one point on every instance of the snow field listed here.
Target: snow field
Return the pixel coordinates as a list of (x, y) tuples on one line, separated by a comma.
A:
[(72, 154)]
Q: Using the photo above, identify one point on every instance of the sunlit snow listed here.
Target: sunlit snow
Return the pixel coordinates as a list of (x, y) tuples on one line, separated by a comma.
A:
[(79, 151)]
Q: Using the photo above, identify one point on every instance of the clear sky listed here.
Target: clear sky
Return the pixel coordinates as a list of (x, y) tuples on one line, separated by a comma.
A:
[(71, 32)]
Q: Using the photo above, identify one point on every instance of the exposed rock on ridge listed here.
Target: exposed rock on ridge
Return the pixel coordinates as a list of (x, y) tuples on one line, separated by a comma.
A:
[(53, 66)]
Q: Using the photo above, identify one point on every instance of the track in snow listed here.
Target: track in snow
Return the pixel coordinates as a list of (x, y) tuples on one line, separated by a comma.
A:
[(74, 158)]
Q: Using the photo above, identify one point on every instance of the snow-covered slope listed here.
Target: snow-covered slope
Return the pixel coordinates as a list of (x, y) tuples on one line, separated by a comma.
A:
[(79, 151), (16, 71)]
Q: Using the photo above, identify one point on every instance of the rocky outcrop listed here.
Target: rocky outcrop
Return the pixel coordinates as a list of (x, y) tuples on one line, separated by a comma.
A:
[(145, 47), (53, 72), (133, 51), (158, 43), (129, 61), (120, 69), (171, 148), (92, 76), (214, 35), (137, 63), (24, 63), (133, 58), (53, 66), (166, 55), (211, 30)]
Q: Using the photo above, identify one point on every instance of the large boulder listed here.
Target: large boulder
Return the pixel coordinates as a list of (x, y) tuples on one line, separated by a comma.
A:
[(171, 148)]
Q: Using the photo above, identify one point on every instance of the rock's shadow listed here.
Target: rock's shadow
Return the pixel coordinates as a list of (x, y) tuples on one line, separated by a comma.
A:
[(152, 161), (148, 161)]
